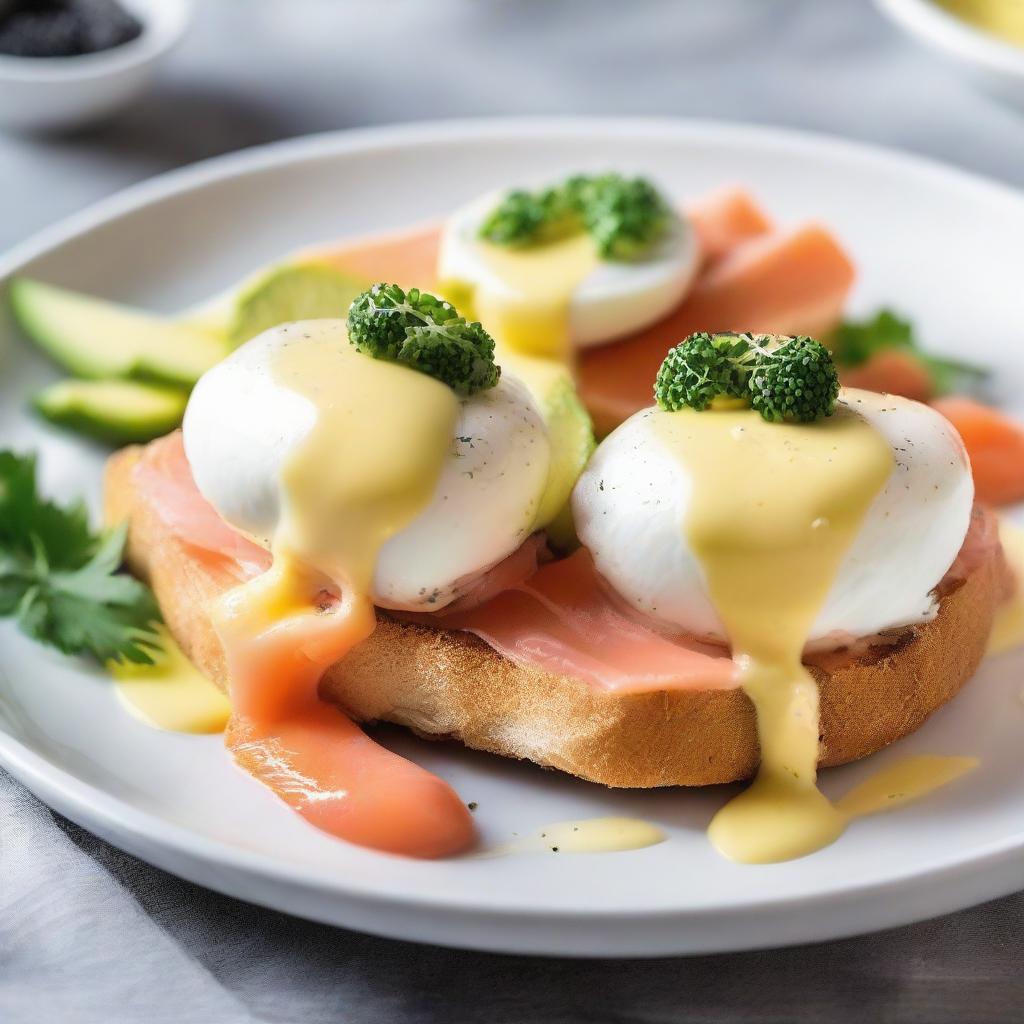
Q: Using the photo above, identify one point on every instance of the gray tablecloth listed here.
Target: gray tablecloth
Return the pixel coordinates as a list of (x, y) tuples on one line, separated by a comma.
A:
[(88, 934)]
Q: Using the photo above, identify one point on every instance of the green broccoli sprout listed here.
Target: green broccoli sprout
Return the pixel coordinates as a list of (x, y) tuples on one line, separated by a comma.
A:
[(702, 368), (784, 379), (624, 216), (426, 333), (524, 218), (795, 380)]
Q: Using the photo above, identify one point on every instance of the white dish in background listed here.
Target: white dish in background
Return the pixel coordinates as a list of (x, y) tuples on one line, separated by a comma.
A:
[(55, 93), (943, 246), (986, 60)]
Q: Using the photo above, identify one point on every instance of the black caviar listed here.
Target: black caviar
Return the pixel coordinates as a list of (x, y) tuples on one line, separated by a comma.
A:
[(64, 28)]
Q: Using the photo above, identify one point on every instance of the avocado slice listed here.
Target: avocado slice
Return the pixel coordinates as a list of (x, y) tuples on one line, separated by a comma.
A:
[(97, 339), (117, 411), (304, 291), (570, 433)]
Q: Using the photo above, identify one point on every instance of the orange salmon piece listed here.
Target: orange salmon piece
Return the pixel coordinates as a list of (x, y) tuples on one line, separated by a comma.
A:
[(892, 371), (726, 218), (407, 258), (995, 445)]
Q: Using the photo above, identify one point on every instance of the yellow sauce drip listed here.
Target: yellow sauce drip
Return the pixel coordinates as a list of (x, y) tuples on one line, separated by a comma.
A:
[(525, 302), (1008, 629), (357, 479), (906, 780), (773, 511), (171, 693), (1001, 18), (591, 835)]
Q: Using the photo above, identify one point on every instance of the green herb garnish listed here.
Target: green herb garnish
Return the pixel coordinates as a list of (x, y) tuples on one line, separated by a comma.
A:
[(857, 341), (784, 379), (61, 581), (624, 216)]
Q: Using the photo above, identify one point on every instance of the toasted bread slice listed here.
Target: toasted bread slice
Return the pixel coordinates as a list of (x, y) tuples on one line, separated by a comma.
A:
[(445, 684)]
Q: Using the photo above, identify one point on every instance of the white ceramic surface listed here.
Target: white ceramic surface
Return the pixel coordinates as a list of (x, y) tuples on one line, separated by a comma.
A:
[(984, 59), (54, 93), (943, 246)]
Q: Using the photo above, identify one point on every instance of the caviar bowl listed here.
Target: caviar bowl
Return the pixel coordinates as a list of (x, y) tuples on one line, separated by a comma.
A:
[(60, 93)]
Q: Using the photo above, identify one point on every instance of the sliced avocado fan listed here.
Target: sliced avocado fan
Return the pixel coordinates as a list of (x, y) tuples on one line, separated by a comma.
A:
[(570, 434), (118, 411), (96, 339), (307, 291)]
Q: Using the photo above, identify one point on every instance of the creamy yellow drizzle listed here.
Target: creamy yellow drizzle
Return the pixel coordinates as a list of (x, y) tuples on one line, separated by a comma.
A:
[(906, 780), (589, 835), (774, 509), (525, 302), (1002, 18), (1008, 629), (171, 693), (365, 471)]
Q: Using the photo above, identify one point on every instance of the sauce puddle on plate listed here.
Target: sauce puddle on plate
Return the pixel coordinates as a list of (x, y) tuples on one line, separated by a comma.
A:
[(587, 835), (170, 694)]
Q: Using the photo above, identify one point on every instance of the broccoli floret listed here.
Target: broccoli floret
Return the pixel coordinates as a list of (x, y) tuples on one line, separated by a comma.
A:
[(426, 333), (624, 216), (702, 368), (531, 218), (784, 379), (796, 380)]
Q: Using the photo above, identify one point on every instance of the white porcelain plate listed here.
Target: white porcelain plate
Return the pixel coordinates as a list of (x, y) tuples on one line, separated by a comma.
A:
[(942, 246)]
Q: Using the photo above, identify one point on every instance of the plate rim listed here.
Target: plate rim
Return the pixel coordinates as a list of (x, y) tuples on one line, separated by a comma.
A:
[(995, 862)]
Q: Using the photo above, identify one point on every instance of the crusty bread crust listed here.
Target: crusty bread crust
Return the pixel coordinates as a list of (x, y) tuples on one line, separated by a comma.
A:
[(449, 684)]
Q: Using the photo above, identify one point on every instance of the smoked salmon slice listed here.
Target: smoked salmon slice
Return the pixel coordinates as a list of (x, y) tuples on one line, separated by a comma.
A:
[(892, 371), (407, 258), (995, 445), (725, 219), (564, 620)]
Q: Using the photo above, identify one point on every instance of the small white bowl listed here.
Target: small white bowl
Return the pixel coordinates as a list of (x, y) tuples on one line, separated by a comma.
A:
[(995, 66), (53, 93)]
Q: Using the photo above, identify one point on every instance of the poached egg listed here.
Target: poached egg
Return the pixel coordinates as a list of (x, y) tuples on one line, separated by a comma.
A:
[(630, 501), (771, 536), (553, 298), (244, 426)]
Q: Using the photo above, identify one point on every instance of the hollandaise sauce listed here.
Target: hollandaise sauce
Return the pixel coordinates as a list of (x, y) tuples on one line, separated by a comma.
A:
[(356, 479), (774, 509), (1001, 18), (586, 835), (1008, 629), (525, 300), (171, 693)]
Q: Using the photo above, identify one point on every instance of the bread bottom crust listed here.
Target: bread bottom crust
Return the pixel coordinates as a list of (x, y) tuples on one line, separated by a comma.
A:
[(444, 684)]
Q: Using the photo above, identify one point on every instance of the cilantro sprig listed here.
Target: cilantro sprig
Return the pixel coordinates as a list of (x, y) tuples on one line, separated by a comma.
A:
[(857, 341), (61, 582)]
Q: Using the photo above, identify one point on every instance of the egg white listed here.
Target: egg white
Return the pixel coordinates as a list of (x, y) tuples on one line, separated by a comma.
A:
[(241, 426), (615, 299), (631, 502)]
